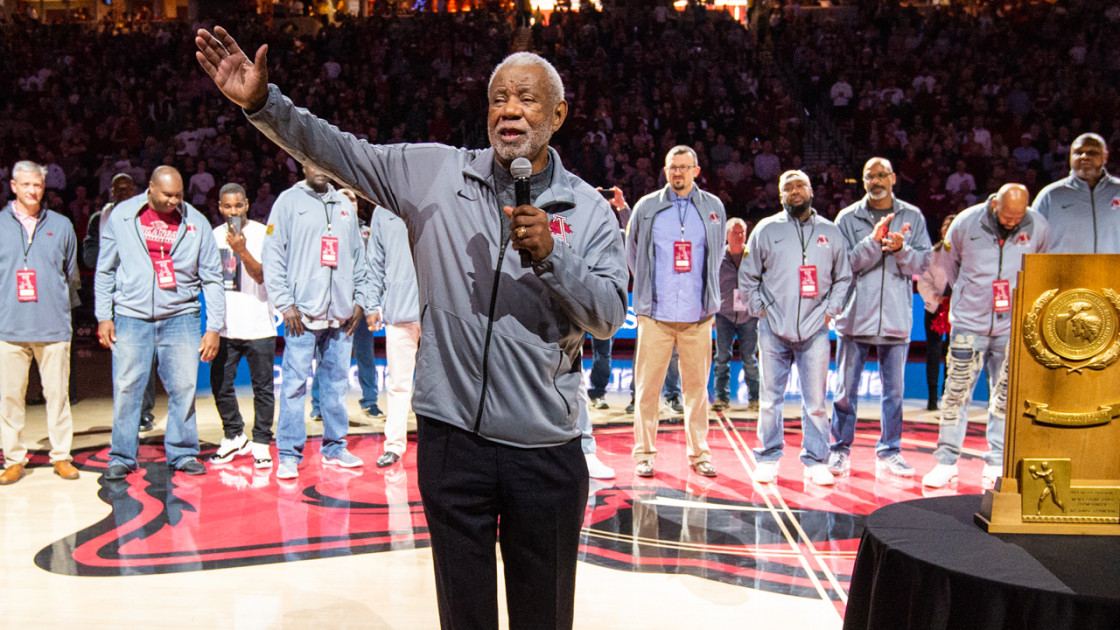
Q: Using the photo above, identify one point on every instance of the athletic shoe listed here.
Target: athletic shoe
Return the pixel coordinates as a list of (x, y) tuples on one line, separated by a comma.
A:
[(819, 474), (262, 458), (316, 415), (599, 403), (374, 412), (840, 464), (752, 406), (230, 448), (630, 407), (941, 476), (344, 458), (896, 465), (991, 473), (288, 468), (596, 469), (674, 404), (720, 404), (766, 472)]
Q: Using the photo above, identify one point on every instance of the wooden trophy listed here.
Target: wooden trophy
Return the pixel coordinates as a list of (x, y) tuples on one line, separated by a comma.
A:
[(1061, 462)]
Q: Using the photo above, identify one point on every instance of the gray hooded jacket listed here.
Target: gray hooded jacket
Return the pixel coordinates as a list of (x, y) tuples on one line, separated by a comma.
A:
[(500, 345), (977, 258), (879, 303), (769, 274)]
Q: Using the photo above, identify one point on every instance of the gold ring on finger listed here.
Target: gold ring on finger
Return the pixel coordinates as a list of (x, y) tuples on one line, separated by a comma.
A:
[(521, 232)]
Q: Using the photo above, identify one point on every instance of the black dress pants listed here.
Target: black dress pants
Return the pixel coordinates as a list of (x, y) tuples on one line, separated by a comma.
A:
[(531, 501)]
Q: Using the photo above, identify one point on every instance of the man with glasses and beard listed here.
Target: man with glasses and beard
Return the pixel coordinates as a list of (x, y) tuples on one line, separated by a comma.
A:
[(887, 245)]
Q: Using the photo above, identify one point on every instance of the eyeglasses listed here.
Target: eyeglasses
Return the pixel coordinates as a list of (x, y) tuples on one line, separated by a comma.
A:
[(679, 169), (870, 177)]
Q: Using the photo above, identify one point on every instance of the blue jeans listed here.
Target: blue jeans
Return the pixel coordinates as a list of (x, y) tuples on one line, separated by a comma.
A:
[(174, 341), (367, 371), (600, 367), (726, 332), (776, 356), (968, 353), (333, 345), (851, 355)]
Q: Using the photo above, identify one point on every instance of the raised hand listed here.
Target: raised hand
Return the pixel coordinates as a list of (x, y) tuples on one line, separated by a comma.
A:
[(242, 81)]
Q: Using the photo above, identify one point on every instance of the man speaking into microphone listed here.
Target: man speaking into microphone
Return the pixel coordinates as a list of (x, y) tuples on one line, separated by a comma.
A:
[(497, 373)]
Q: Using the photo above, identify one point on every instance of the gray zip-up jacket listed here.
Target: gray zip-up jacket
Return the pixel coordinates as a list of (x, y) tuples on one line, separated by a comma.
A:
[(976, 259), (1082, 221), (770, 276), (125, 283), (52, 253), (639, 246), (879, 303), (293, 269), (392, 271), (500, 344)]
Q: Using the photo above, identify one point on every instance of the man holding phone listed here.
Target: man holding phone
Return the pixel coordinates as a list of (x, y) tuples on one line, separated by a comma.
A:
[(249, 331)]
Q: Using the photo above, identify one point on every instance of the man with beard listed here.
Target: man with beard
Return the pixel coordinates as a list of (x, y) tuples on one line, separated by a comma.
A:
[(497, 376), (795, 276), (1083, 209), (887, 245), (674, 246), (986, 244)]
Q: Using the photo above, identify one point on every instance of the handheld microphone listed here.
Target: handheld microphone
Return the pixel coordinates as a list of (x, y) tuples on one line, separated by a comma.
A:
[(521, 169)]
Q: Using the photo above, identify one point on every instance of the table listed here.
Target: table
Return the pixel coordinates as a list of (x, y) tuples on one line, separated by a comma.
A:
[(924, 564)]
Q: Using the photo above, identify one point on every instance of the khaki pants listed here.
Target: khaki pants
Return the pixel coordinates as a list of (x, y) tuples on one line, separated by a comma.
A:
[(401, 341), (652, 352), (54, 370)]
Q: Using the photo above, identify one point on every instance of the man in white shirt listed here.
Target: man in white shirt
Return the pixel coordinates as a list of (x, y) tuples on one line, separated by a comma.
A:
[(200, 185), (249, 332)]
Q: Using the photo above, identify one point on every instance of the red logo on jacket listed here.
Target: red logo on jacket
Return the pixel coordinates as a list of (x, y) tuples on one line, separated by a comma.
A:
[(1023, 238), (559, 227), (822, 241)]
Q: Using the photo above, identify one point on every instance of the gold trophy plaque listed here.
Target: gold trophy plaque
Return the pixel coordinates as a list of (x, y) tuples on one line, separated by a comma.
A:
[(1061, 469)]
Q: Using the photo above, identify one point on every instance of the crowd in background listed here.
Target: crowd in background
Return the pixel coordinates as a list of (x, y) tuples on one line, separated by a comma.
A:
[(960, 102)]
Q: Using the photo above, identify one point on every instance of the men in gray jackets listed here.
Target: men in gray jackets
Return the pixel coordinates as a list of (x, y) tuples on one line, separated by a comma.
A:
[(393, 280), (674, 246), (887, 246), (986, 247), (316, 275), (795, 276), (1083, 210), (157, 254), (38, 276), (498, 367)]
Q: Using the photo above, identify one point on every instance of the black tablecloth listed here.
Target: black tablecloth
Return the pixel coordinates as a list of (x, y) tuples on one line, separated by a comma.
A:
[(925, 564)]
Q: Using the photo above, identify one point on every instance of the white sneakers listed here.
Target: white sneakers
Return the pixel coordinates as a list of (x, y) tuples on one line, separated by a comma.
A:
[(991, 473), (596, 469), (819, 474), (230, 448), (766, 472), (941, 476)]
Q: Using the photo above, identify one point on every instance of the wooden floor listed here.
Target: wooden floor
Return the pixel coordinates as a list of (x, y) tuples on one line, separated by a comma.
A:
[(348, 549)]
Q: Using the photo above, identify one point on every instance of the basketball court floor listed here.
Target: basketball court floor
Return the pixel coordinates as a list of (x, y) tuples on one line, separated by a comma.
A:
[(340, 548)]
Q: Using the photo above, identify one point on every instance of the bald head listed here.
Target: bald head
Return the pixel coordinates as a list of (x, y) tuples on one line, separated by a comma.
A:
[(1010, 204), (165, 190), (1087, 156)]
